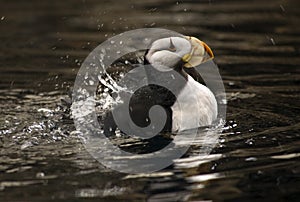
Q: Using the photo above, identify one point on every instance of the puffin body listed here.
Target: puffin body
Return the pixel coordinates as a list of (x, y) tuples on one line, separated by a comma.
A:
[(187, 115), (191, 104)]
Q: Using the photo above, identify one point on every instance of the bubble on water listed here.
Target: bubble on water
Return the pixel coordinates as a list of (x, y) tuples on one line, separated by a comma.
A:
[(3, 17), (40, 175)]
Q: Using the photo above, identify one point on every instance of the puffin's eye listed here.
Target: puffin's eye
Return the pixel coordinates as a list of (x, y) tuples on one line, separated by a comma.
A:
[(172, 47)]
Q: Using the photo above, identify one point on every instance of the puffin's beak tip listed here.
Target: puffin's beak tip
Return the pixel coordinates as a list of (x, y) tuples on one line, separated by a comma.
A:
[(208, 50), (197, 56)]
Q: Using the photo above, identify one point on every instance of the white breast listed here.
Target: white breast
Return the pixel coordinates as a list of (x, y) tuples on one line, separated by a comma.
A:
[(195, 106)]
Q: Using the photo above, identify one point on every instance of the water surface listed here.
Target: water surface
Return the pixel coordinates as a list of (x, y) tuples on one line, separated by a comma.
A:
[(256, 44)]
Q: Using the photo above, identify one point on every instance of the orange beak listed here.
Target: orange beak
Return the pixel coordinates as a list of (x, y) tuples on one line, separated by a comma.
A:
[(200, 53)]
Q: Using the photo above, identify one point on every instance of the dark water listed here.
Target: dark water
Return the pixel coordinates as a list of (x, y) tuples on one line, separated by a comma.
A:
[(256, 44)]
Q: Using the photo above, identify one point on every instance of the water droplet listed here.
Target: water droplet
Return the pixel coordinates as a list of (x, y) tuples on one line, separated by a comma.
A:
[(118, 133), (249, 142), (272, 41), (91, 82), (222, 140), (86, 76), (3, 17), (214, 166)]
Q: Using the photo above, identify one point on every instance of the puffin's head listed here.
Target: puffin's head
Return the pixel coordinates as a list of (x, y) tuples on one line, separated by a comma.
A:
[(168, 53)]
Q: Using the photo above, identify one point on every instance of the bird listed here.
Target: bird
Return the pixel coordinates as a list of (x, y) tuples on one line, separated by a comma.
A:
[(191, 105)]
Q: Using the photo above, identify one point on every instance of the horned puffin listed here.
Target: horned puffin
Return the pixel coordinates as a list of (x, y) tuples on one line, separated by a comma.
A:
[(192, 105)]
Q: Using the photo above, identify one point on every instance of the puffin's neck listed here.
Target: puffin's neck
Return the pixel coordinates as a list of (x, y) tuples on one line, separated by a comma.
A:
[(168, 76), (179, 67)]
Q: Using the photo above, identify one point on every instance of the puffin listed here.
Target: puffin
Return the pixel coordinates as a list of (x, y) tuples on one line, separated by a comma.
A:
[(191, 105)]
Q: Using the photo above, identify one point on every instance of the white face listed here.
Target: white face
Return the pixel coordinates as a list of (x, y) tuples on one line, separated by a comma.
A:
[(165, 53)]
